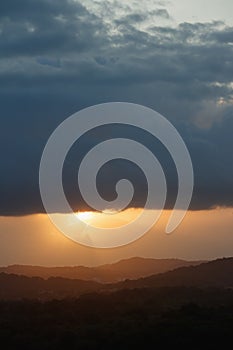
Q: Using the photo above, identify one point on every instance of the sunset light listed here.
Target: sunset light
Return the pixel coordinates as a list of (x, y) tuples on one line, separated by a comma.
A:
[(109, 218), (85, 216), (116, 174)]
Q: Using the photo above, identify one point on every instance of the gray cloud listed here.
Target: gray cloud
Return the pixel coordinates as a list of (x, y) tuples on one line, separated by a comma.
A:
[(47, 28), (162, 13), (56, 58)]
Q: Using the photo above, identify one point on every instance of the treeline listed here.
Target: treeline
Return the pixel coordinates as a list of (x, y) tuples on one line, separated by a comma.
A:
[(147, 318)]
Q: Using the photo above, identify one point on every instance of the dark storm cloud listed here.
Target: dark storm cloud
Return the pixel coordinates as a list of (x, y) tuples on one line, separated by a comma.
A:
[(56, 58), (30, 27), (225, 37)]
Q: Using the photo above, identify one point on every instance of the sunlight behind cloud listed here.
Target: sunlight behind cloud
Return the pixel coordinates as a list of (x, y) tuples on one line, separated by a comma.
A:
[(109, 218), (202, 235), (85, 216)]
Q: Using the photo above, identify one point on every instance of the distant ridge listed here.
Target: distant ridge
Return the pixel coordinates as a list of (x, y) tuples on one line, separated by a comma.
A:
[(132, 268), (214, 274), (15, 287)]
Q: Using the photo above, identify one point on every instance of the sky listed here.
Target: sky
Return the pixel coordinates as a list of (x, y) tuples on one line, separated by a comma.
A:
[(202, 235), (57, 57)]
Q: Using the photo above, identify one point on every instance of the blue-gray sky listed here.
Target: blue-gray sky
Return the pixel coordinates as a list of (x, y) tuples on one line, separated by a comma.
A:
[(57, 57)]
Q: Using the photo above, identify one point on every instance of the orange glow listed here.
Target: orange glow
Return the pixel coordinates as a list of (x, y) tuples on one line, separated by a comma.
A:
[(109, 218), (85, 216), (34, 240)]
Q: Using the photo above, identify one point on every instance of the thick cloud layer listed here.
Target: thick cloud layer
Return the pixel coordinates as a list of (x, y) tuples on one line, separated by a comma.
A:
[(58, 57)]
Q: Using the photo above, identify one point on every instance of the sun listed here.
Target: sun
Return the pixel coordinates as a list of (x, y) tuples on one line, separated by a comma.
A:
[(108, 218), (85, 216)]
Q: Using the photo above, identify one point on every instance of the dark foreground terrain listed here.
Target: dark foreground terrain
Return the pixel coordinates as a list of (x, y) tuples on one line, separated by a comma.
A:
[(148, 318), (186, 308)]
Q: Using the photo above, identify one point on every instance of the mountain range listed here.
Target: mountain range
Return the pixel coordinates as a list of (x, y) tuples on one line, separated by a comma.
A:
[(217, 273), (132, 268)]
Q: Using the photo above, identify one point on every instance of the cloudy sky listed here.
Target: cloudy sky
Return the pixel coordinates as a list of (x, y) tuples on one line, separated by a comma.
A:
[(57, 57)]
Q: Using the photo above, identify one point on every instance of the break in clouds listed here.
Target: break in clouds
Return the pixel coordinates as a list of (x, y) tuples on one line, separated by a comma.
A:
[(58, 57)]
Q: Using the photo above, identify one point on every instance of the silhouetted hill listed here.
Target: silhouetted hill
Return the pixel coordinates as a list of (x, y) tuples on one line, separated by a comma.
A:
[(217, 273), (132, 268), (13, 287)]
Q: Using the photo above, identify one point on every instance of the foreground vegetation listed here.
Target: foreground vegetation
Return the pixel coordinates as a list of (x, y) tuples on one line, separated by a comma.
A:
[(146, 318)]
